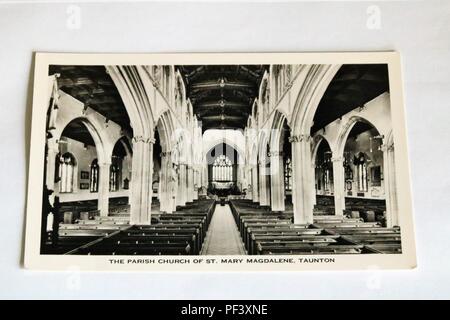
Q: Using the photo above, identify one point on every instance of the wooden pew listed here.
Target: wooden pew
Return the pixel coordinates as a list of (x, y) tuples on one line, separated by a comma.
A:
[(316, 240), (265, 232), (386, 248), (182, 232), (308, 249), (169, 249)]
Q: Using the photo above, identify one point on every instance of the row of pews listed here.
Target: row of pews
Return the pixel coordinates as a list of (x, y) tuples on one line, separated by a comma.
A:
[(369, 210), (80, 223), (179, 233), (324, 205), (265, 232), (87, 227), (372, 235)]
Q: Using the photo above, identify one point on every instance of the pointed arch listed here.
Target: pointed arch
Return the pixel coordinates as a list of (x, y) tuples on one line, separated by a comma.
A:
[(318, 139), (345, 131), (132, 83), (276, 133), (316, 81), (264, 98), (135, 100), (165, 126), (94, 130)]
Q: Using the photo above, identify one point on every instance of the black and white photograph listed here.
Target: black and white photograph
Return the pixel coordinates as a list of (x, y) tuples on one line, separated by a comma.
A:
[(222, 159), (221, 155)]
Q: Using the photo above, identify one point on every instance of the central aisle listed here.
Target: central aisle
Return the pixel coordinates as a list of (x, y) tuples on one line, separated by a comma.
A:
[(223, 236)]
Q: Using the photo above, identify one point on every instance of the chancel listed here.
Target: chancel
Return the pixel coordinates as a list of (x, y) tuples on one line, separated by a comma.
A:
[(301, 159)]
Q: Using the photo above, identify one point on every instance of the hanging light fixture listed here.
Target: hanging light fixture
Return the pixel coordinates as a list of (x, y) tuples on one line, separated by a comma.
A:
[(222, 82)]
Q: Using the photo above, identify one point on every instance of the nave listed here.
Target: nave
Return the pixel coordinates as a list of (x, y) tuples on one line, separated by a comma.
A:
[(223, 236), (219, 159), (264, 233), (179, 233), (235, 229)]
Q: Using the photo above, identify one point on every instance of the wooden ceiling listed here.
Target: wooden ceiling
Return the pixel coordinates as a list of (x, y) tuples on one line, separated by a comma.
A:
[(359, 128), (76, 130), (222, 95), (95, 88), (352, 87)]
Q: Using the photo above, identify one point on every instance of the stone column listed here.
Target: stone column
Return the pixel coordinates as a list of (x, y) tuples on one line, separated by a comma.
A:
[(301, 179), (164, 194), (190, 184), (255, 187), (277, 181), (159, 195), (172, 189), (313, 184), (264, 193), (390, 186), (103, 188), (248, 182), (338, 185), (52, 152), (182, 190), (196, 183), (141, 181), (205, 176)]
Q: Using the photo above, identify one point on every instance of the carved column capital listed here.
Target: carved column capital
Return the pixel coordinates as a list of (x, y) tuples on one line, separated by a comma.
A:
[(387, 147), (143, 139), (299, 138), (275, 154), (337, 159), (53, 145)]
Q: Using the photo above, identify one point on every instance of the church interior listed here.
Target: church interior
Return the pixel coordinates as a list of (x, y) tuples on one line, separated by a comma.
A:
[(219, 160)]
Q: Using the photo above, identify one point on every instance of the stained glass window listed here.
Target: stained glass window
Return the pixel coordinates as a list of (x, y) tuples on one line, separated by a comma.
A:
[(288, 174), (222, 169), (93, 185), (115, 173), (361, 168)]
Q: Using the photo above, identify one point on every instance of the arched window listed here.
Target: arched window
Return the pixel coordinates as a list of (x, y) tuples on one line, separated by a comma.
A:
[(360, 162), (328, 171), (326, 179), (167, 81), (222, 169), (93, 182), (288, 174), (115, 173), (66, 172)]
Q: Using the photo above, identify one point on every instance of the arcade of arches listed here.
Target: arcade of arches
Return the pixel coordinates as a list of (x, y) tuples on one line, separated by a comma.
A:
[(143, 141)]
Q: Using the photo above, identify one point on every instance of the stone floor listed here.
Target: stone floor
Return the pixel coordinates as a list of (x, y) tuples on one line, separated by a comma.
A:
[(223, 235)]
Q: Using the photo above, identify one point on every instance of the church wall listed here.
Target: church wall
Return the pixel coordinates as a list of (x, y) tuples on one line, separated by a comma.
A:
[(376, 112), (126, 171), (362, 144), (71, 108), (84, 157)]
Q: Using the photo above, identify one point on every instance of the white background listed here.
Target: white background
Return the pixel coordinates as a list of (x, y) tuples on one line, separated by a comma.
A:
[(419, 30)]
